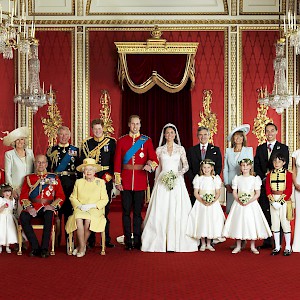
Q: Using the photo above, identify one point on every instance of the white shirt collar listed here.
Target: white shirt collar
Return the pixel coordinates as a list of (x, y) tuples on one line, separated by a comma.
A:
[(205, 145)]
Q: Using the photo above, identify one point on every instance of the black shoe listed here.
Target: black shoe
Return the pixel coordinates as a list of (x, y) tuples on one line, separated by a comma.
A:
[(264, 246), (45, 253), (275, 251), (128, 247), (91, 244), (35, 252), (110, 245), (137, 246), (287, 252)]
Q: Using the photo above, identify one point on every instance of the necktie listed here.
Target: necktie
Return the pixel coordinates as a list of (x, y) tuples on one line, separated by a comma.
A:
[(203, 152), (269, 150)]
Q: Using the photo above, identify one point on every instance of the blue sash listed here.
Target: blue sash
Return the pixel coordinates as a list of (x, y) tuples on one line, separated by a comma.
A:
[(134, 148), (36, 191), (64, 162)]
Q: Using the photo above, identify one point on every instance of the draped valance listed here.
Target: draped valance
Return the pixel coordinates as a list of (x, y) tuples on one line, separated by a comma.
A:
[(156, 62)]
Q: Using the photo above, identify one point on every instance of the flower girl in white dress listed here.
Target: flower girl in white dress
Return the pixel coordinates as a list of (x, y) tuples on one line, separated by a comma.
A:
[(8, 222), (206, 219), (246, 220)]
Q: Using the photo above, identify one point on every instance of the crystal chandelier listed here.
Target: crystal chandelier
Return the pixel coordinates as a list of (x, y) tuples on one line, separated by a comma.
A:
[(34, 97), (280, 98), (292, 31), (13, 36)]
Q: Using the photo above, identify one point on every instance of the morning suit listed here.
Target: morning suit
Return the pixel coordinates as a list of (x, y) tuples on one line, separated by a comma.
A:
[(194, 159), (262, 165), (232, 168)]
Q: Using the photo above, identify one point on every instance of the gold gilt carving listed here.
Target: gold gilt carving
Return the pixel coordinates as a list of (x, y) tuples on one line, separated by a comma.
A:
[(105, 113), (52, 123), (261, 119), (207, 117)]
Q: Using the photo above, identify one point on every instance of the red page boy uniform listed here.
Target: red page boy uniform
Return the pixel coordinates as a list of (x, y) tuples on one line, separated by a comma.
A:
[(134, 156), (41, 196), (279, 183)]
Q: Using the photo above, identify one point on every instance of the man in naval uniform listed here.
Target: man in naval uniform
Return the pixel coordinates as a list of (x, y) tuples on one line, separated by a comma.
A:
[(63, 159), (101, 148), (135, 156), (41, 196)]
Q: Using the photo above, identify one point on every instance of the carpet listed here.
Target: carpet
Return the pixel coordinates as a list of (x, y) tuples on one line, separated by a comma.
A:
[(137, 275)]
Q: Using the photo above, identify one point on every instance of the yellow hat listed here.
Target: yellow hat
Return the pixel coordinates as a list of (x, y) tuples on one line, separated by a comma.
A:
[(18, 133), (89, 162)]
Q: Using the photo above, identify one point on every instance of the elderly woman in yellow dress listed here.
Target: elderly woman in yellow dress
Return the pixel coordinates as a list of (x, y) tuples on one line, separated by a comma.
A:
[(88, 199)]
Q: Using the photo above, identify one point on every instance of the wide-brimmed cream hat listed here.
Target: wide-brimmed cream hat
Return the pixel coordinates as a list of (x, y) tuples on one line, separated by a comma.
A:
[(244, 127), (89, 162), (18, 133)]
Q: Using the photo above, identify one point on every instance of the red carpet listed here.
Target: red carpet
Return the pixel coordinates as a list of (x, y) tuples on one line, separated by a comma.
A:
[(137, 275)]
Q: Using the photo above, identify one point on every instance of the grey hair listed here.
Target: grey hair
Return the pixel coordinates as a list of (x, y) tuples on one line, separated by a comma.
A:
[(63, 128), (95, 169), (203, 128)]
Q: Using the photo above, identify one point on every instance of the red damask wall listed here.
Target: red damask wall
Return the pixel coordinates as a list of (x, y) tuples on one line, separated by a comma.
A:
[(56, 55), (56, 61), (258, 55), (7, 106), (209, 71)]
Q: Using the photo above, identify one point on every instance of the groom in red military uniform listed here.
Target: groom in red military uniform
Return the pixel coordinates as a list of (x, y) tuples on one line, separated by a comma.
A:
[(41, 196), (134, 157)]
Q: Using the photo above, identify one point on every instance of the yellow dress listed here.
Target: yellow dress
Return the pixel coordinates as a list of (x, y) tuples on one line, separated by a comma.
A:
[(86, 192)]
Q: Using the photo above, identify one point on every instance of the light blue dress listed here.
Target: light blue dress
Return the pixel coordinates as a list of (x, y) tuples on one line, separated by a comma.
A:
[(232, 168)]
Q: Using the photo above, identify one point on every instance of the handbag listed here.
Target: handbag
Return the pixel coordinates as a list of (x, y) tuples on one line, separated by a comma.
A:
[(290, 214)]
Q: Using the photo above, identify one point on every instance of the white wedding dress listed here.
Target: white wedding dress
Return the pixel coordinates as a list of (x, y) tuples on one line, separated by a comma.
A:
[(296, 241), (165, 223)]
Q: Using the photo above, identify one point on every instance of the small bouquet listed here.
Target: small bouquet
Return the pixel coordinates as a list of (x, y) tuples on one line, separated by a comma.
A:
[(208, 198), (244, 198), (169, 180)]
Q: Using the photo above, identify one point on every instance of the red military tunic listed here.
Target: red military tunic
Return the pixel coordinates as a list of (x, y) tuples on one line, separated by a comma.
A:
[(284, 185), (40, 190), (2, 176), (131, 175)]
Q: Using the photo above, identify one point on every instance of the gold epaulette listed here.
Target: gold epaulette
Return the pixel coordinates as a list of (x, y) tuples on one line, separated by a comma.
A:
[(122, 136), (111, 137), (88, 138)]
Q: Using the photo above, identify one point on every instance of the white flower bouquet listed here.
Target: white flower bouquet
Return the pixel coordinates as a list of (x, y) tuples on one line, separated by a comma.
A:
[(244, 198), (169, 180), (208, 198)]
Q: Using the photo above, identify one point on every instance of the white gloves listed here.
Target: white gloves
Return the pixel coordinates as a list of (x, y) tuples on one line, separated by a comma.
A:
[(86, 207), (276, 205)]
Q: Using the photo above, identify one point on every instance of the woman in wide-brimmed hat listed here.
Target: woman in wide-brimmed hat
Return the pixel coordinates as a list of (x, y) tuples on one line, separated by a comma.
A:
[(233, 155), (19, 161), (88, 199)]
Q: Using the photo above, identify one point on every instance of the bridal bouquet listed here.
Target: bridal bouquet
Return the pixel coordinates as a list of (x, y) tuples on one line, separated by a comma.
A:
[(244, 198), (209, 198), (169, 179)]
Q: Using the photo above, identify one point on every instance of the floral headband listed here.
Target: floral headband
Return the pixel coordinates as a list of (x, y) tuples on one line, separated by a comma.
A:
[(207, 161), (5, 187), (248, 161)]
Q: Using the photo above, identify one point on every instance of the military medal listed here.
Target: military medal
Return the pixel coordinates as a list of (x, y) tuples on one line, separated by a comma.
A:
[(142, 153), (106, 148), (64, 150)]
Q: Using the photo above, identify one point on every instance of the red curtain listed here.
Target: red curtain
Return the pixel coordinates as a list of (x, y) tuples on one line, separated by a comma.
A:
[(157, 108), (170, 67)]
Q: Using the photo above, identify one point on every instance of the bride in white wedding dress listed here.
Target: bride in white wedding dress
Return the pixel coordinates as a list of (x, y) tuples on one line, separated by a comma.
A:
[(166, 218)]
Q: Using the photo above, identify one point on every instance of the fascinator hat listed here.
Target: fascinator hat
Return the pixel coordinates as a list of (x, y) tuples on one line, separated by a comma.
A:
[(244, 128), (162, 134), (18, 133), (89, 162)]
